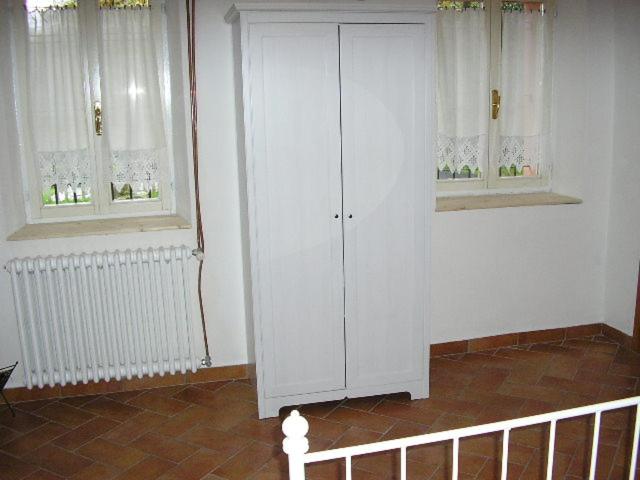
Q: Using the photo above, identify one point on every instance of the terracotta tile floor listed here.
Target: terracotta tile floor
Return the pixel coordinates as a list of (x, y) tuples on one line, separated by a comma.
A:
[(211, 430)]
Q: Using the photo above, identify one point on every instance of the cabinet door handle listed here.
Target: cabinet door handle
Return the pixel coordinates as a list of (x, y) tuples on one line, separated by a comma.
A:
[(336, 216), (350, 216)]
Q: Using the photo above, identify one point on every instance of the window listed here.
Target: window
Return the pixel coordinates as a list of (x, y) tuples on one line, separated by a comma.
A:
[(93, 89), (494, 85)]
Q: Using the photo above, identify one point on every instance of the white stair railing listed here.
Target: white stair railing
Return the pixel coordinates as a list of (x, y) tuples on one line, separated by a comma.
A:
[(296, 445)]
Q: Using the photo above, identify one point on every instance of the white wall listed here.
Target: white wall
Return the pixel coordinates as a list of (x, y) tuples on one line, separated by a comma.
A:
[(494, 271), (509, 270), (623, 239), (223, 265)]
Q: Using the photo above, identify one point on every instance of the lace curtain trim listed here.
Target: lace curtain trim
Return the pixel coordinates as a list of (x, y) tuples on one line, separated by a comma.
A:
[(138, 168), (520, 151), (65, 168), (459, 152)]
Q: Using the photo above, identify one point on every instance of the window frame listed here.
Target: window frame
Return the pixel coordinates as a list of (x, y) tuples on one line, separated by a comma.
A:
[(102, 205), (490, 182)]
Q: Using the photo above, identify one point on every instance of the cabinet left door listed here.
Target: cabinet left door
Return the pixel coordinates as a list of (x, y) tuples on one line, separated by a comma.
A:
[(295, 206)]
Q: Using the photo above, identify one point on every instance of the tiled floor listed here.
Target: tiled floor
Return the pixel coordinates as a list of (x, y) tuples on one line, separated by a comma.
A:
[(211, 430)]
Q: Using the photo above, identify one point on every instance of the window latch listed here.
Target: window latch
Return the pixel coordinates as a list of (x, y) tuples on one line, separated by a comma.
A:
[(495, 104), (97, 117)]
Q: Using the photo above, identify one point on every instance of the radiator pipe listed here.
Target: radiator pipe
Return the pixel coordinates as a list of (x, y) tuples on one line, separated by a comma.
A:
[(193, 90)]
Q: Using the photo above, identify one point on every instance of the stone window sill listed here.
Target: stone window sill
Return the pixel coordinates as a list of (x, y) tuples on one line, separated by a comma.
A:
[(479, 202), (105, 226)]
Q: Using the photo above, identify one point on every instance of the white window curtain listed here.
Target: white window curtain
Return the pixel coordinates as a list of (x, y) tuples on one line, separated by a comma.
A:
[(524, 81), (132, 92), (57, 100), (463, 86)]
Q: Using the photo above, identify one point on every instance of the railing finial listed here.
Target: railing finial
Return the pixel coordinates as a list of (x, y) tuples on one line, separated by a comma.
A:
[(295, 444)]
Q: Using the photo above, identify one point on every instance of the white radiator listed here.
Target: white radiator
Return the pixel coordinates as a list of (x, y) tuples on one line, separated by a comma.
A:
[(105, 315)]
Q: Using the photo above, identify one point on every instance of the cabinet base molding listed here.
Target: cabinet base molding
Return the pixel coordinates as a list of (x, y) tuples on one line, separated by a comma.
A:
[(272, 405)]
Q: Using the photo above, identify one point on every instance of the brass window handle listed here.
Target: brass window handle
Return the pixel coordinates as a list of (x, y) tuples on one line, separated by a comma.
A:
[(495, 104), (97, 117)]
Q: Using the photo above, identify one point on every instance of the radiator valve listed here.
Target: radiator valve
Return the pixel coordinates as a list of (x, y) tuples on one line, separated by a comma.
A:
[(206, 361), (199, 254)]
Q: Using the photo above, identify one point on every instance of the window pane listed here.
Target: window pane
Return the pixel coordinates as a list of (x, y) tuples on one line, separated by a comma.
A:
[(463, 83), (57, 100), (124, 3), (50, 4), (54, 195), (459, 5), (131, 80), (135, 192), (524, 80)]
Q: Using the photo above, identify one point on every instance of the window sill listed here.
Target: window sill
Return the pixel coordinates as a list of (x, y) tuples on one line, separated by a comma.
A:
[(107, 226), (479, 202)]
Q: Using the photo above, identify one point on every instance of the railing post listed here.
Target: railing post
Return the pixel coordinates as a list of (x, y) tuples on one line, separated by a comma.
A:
[(634, 445), (295, 444)]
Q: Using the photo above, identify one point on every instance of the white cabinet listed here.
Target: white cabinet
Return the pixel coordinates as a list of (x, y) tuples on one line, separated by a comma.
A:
[(338, 112)]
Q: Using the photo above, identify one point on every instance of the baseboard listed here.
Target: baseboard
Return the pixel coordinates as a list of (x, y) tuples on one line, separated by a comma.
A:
[(236, 372), (533, 336), (214, 374), (622, 338)]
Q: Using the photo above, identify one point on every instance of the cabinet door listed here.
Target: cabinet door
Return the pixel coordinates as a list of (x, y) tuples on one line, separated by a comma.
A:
[(294, 195), (385, 190)]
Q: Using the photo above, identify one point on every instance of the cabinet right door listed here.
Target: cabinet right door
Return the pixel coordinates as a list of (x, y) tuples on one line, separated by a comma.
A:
[(385, 196)]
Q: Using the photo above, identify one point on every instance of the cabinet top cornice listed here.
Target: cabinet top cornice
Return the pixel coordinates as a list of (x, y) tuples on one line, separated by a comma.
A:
[(328, 7)]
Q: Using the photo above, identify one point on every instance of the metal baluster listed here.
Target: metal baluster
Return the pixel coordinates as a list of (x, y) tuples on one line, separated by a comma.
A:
[(634, 446), (552, 446), (505, 453), (456, 450), (594, 446)]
